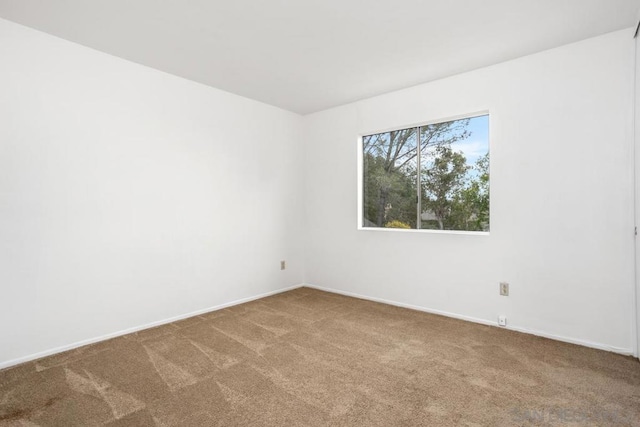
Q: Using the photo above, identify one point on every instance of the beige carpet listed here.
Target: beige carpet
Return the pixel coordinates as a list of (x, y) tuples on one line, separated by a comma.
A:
[(310, 358)]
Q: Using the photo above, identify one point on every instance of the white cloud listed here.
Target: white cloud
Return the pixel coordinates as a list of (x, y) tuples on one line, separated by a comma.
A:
[(472, 149)]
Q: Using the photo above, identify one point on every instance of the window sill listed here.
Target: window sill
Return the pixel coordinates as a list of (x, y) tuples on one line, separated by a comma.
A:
[(427, 231)]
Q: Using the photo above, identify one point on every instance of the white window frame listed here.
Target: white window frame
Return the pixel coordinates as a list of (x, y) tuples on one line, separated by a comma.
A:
[(360, 177)]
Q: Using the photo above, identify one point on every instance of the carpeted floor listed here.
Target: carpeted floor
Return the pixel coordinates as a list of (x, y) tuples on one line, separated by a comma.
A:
[(310, 358)]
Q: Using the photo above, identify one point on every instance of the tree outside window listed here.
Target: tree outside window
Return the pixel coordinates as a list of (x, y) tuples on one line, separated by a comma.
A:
[(428, 177)]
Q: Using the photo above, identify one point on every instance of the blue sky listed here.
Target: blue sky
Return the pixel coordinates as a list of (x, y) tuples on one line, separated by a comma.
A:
[(477, 145)]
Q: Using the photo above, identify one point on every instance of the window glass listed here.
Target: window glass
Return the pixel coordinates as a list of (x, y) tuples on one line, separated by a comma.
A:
[(441, 183)]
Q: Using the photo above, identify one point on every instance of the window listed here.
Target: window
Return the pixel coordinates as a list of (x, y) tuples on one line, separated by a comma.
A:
[(434, 176)]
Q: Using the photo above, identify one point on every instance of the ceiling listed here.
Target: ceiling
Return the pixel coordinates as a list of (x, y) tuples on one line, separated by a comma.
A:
[(309, 55)]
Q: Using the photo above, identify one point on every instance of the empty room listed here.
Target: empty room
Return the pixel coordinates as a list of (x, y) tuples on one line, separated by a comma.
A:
[(319, 213)]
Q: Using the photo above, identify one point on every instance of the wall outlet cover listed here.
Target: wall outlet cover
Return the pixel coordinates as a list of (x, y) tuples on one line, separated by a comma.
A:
[(504, 289)]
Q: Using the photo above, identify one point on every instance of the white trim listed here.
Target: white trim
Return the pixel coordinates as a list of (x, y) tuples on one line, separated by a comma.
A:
[(624, 351), (77, 344), (425, 230), (636, 193), (473, 115)]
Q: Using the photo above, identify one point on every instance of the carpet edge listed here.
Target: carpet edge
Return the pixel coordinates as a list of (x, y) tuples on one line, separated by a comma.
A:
[(576, 341), (67, 347)]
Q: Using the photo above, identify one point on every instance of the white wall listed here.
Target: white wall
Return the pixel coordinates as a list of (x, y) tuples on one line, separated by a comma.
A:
[(129, 196), (637, 181), (561, 198)]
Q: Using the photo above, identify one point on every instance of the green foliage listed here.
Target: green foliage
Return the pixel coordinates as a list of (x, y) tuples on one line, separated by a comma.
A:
[(397, 224), (443, 182), (389, 194)]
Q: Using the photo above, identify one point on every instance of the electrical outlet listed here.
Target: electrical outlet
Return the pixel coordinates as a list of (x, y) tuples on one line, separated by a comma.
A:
[(502, 320), (283, 265), (504, 289)]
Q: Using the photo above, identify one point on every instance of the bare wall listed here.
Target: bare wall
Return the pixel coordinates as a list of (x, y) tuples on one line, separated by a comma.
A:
[(129, 196), (637, 181), (561, 198)]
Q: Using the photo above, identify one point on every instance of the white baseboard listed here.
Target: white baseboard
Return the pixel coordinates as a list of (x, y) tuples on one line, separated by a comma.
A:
[(623, 351), (7, 364), (77, 344)]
